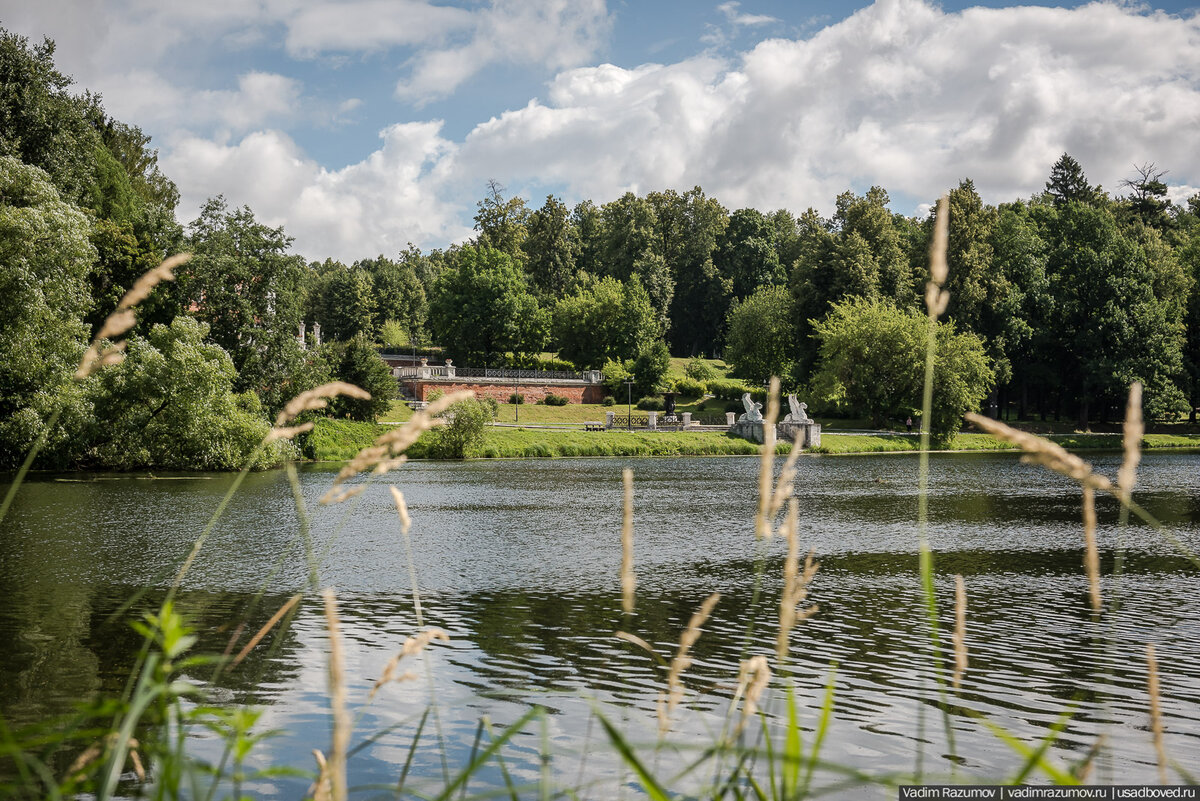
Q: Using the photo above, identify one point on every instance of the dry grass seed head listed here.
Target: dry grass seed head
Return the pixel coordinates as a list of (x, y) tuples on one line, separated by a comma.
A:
[(96, 357), (345, 495), (393, 443), (138, 769), (935, 298), (959, 638), (123, 318), (785, 486), (320, 790), (116, 324), (388, 465), (288, 432), (337, 700), (401, 510), (795, 583), (636, 640), (262, 632), (628, 577), (1091, 554), (683, 660), (412, 646), (762, 521), (753, 677), (1042, 451), (1156, 722), (317, 398), (147, 281), (1132, 441)]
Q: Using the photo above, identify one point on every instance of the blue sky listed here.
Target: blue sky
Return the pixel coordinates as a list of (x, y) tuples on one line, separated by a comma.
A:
[(361, 125)]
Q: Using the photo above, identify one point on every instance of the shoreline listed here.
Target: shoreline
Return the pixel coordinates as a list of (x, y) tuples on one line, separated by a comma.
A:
[(339, 441), (562, 443)]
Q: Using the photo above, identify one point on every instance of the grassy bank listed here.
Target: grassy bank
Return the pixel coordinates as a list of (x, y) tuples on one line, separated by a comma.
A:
[(891, 443), (339, 440)]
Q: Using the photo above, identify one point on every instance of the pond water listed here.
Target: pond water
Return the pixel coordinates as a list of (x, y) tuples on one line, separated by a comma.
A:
[(519, 562)]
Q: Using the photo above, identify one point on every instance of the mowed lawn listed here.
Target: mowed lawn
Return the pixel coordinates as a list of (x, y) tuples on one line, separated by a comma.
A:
[(339, 440)]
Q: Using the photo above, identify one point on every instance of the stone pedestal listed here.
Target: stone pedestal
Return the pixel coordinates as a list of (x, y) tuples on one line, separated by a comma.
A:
[(687, 419), (804, 435), (751, 431), (730, 418), (608, 419), (653, 418)]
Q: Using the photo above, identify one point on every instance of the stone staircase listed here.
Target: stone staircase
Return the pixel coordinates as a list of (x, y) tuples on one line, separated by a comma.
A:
[(409, 399)]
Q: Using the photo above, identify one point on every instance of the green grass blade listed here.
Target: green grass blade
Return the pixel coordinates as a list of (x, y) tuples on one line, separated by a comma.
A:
[(1056, 774), (1038, 754), (508, 782), (770, 750), (649, 783), (474, 751), (822, 730), (793, 749), (412, 752), (486, 754)]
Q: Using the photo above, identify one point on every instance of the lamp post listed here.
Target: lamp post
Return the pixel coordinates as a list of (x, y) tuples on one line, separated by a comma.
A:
[(629, 400)]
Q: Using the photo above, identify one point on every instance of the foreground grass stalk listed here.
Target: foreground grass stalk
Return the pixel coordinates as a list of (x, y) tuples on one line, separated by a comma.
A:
[(1156, 722), (340, 741), (405, 527), (628, 578), (763, 518), (25, 465), (936, 300), (314, 579)]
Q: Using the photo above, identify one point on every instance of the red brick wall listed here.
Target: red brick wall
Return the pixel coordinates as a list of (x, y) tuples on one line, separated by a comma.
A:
[(589, 393)]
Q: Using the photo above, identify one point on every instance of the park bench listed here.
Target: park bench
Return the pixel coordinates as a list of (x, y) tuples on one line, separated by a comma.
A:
[(593, 425)]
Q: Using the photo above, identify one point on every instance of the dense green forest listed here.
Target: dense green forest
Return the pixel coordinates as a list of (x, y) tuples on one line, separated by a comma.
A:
[(1057, 302)]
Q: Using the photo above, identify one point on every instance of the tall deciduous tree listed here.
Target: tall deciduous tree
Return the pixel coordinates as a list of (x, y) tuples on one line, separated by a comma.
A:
[(1119, 308), (44, 259), (550, 248), (1189, 259), (171, 404), (41, 123), (869, 218), (482, 309), (860, 252), (342, 300), (689, 227), (245, 284), (1024, 310), (501, 222), (398, 295), (610, 320), (1147, 200), (746, 253), (873, 363), (357, 362), (762, 335), (630, 247)]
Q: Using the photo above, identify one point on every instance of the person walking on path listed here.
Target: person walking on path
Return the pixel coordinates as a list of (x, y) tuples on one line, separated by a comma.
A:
[(908, 423)]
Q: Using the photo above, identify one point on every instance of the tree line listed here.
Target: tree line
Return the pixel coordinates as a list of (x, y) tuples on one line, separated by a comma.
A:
[(1057, 302), (1071, 294)]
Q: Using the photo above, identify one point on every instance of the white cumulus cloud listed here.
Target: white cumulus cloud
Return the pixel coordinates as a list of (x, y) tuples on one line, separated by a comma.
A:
[(375, 206), (550, 33), (900, 94)]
